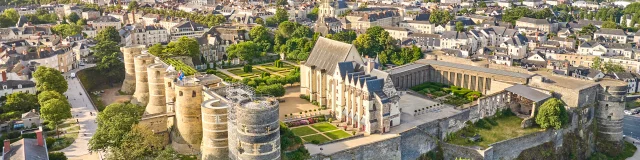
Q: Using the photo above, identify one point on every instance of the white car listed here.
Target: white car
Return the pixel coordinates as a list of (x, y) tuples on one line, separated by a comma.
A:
[(627, 112)]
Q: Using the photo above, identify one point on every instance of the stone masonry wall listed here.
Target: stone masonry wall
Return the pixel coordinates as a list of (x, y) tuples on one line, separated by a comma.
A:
[(383, 150)]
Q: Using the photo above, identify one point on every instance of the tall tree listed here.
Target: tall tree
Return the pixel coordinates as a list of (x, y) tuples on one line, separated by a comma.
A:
[(82, 22), (440, 17), (157, 50), (139, 143), (459, 26), (66, 30), (245, 51), (133, 6), (55, 111), (49, 79), (21, 102), (111, 67), (344, 36), (49, 95), (276, 90), (281, 15), (108, 34), (552, 114), (105, 48), (73, 17), (115, 121)]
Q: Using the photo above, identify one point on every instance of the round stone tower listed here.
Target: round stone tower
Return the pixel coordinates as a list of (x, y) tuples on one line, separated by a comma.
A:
[(188, 129), (254, 130), (141, 95), (609, 115), (215, 145), (157, 101), (169, 88), (128, 52)]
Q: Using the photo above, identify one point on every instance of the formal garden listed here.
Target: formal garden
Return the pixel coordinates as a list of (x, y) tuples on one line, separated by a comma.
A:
[(319, 132), (455, 95), (504, 125)]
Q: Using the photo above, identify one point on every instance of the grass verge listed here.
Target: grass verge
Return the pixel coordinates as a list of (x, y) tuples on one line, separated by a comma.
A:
[(324, 127), (318, 138), (339, 134)]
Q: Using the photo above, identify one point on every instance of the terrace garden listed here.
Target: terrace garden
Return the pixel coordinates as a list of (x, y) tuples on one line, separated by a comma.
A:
[(455, 95), (319, 133), (504, 125)]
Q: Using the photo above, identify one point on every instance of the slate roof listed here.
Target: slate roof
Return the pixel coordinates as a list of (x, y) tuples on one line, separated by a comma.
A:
[(608, 31), (13, 84), (454, 35), (625, 75), (106, 19), (189, 24), (528, 92), (533, 20), (344, 68), (374, 85), (327, 53), (26, 149), (474, 68)]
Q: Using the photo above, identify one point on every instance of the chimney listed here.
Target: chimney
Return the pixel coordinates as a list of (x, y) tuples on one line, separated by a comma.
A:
[(40, 138), (4, 76), (7, 145)]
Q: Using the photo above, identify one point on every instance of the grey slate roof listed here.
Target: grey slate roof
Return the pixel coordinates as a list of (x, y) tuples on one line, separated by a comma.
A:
[(106, 19), (474, 68), (26, 149), (528, 92), (619, 32), (404, 68), (14, 84), (327, 53), (344, 68), (533, 20)]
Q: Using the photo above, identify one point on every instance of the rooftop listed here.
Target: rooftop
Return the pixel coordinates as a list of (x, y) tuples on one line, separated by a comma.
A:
[(474, 68)]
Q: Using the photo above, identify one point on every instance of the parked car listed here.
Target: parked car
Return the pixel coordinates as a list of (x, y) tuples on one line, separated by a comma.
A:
[(627, 112)]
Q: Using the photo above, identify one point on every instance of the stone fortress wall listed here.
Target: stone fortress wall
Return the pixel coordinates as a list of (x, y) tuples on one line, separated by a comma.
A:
[(193, 116), (584, 102), (128, 52)]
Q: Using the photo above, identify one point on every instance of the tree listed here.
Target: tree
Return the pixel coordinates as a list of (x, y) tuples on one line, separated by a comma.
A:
[(57, 156), (260, 34), (276, 90), (281, 2), (459, 26), (344, 36), (286, 28), (610, 67), (588, 30), (552, 114), (21, 102), (82, 22), (245, 51), (440, 17), (597, 63), (623, 23), (313, 15), (105, 48), (49, 95), (12, 15), (55, 111), (610, 25), (482, 4), (139, 143), (66, 30), (183, 47), (115, 121), (133, 5), (108, 34), (259, 21), (111, 66), (375, 40), (281, 15), (73, 17), (156, 50), (49, 79)]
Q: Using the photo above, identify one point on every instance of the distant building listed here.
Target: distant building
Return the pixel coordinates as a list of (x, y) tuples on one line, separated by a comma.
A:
[(17, 86), (187, 28), (31, 119), (26, 148), (104, 22)]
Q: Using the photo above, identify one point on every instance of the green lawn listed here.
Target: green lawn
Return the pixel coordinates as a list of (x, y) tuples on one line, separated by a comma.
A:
[(239, 72), (283, 70), (504, 128), (319, 137), (324, 127), (303, 131), (339, 134)]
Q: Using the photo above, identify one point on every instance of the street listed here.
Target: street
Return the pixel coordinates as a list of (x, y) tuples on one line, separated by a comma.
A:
[(81, 108), (631, 127)]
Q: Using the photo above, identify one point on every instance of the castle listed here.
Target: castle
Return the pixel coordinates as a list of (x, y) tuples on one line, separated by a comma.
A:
[(336, 76), (200, 114)]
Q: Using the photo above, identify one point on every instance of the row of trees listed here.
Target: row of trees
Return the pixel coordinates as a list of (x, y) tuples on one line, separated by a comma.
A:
[(182, 47), (513, 14), (206, 19), (54, 107)]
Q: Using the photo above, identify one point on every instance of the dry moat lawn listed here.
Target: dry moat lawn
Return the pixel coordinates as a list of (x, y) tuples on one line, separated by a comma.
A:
[(494, 130)]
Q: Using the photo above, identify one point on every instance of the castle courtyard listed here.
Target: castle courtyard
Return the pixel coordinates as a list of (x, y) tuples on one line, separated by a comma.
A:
[(293, 104)]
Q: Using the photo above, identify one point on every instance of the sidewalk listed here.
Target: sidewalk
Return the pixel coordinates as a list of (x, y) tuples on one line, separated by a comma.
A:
[(636, 156)]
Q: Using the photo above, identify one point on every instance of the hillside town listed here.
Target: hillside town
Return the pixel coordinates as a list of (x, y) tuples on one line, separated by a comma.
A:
[(319, 80)]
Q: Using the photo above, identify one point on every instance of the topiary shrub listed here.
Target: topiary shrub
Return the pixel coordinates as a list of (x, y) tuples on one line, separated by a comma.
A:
[(247, 68)]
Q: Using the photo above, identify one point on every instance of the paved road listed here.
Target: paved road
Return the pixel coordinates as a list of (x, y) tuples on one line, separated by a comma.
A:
[(631, 127), (81, 106)]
